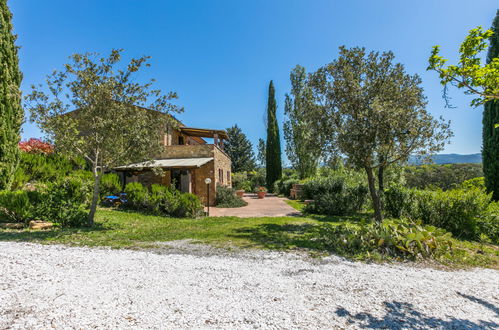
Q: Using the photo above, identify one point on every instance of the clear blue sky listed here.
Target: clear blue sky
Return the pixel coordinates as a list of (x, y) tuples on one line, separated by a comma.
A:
[(220, 55)]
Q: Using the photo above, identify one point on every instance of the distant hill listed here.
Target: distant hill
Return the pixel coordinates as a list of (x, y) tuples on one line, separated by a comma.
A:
[(450, 159)]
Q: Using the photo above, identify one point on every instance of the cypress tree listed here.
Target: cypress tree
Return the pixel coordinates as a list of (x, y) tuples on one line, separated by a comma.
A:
[(490, 136), (11, 112), (273, 145)]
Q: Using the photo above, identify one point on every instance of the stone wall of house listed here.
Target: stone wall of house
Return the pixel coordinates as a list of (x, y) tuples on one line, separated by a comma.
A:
[(217, 170), (223, 167), (199, 186), (170, 137), (188, 151)]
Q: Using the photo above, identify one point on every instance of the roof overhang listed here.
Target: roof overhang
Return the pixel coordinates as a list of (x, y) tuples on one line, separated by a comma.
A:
[(204, 132), (166, 163)]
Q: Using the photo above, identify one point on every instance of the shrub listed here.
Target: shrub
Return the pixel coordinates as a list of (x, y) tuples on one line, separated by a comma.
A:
[(15, 206), (392, 238), (488, 224), (44, 168), (137, 196), (64, 202), (455, 210), (467, 213), (226, 197), (284, 186), (84, 175), (189, 207), (238, 179), (395, 201), (257, 178), (110, 184), (36, 146), (245, 185), (332, 196), (162, 200), (473, 183)]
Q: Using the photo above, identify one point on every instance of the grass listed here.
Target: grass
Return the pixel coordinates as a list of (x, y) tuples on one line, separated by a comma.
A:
[(120, 229), (297, 205)]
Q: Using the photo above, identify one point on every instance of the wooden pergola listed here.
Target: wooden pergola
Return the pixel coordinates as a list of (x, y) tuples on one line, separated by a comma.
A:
[(216, 134)]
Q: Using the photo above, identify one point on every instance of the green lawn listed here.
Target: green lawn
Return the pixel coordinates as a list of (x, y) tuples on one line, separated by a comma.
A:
[(297, 205), (119, 229)]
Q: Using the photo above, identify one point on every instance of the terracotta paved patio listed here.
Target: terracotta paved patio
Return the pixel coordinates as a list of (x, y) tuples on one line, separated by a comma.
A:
[(270, 206)]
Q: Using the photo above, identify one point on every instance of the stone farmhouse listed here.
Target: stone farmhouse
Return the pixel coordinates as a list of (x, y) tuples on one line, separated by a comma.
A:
[(186, 160)]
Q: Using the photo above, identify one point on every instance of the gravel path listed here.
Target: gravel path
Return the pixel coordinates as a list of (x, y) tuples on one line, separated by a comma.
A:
[(177, 287)]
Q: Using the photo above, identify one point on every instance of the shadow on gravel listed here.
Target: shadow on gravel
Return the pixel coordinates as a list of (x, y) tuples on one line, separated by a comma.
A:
[(28, 235), (274, 236), (482, 302), (401, 315)]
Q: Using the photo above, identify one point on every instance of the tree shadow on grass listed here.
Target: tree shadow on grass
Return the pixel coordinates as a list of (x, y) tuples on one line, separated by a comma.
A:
[(274, 236), (402, 315), (28, 235), (356, 218)]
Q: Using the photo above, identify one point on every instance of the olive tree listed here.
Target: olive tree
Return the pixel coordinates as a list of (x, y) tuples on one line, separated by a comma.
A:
[(377, 113), (96, 109)]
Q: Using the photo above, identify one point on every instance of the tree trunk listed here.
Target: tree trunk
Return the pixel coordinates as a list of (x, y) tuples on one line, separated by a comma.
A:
[(95, 197), (381, 181), (381, 186), (374, 195)]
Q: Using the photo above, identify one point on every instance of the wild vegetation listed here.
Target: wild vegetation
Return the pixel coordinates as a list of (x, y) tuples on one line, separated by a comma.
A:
[(444, 177)]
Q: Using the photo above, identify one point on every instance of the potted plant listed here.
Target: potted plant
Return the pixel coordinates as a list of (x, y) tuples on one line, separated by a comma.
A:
[(244, 187), (261, 192)]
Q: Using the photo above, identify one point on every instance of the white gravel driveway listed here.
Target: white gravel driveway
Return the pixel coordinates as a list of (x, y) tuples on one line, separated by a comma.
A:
[(62, 287)]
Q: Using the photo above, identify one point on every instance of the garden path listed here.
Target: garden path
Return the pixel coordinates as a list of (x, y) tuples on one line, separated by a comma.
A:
[(270, 206)]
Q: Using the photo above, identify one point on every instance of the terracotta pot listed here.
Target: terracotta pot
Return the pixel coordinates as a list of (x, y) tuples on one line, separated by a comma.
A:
[(240, 193), (261, 194)]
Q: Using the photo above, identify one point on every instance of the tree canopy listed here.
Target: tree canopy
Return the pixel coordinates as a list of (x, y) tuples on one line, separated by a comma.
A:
[(240, 150), (116, 120), (470, 74), (261, 151), (303, 146), (376, 111)]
